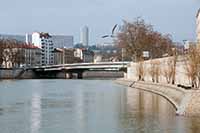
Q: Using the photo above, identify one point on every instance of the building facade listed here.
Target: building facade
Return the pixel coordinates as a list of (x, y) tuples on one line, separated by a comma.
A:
[(63, 41), (65, 56), (45, 43), (21, 55), (32, 55), (189, 44), (85, 55), (58, 56), (84, 36)]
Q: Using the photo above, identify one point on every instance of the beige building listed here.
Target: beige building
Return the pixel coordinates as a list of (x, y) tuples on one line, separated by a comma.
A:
[(65, 56), (21, 55)]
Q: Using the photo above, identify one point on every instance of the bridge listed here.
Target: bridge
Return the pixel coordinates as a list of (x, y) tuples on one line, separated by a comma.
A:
[(67, 70)]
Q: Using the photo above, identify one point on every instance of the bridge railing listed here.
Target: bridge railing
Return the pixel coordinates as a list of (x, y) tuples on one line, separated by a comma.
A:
[(84, 64)]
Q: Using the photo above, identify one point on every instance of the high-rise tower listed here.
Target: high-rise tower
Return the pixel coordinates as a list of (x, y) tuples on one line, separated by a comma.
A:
[(84, 36)]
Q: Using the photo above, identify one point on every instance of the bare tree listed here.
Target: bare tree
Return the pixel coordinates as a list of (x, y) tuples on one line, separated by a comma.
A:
[(138, 36), (1, 52), (140, 70), (192, 66), (10, 53), (174, 62), (169, 70), (154, 71)]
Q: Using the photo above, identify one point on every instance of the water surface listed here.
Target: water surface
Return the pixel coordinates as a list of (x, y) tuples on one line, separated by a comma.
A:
[(85, 106)]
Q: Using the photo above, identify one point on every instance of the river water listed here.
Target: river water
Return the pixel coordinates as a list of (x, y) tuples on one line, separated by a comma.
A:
[(85, 106)]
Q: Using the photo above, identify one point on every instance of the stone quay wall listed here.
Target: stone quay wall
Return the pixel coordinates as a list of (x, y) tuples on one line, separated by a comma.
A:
[(102, 74), (186, 102), (180, 76), (16, 73)]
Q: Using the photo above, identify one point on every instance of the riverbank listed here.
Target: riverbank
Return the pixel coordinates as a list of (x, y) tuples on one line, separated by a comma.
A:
[(186, 102), (16, 73)]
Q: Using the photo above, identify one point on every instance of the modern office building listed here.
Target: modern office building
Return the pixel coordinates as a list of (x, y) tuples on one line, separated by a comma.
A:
[(84, 36), (45, 43), (63, 41), (20, 38)]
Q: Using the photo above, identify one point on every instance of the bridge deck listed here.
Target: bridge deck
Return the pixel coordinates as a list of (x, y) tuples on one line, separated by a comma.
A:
[(100, 65)]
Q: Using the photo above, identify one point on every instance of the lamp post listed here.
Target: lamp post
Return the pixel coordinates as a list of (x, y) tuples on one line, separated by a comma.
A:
[(112, 35), (64, 55)]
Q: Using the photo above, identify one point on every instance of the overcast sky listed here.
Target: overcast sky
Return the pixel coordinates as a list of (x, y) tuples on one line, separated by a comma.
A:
[(176, 17)]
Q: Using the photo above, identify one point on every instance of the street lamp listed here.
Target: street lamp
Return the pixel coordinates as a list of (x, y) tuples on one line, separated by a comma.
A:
[(112, 35), (64, 55)]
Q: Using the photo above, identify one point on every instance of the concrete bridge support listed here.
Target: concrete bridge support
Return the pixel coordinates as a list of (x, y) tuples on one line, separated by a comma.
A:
[(61, 75), (79, 75), (68, 75)]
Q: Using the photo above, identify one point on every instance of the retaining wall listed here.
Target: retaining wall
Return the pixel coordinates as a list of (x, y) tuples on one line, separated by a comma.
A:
[(186, 102), (16, 73), (103, 74), (181, 74)]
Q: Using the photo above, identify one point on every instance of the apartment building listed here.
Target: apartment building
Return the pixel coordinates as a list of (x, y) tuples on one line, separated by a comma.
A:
[(65, 56), (20, 55), (44, 42)]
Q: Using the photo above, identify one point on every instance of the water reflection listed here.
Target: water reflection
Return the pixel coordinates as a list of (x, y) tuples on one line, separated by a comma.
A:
[(147, 112), (1, 111), (36, 113)]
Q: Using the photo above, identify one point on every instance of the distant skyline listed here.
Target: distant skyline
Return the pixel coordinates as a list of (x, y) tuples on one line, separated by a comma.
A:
[(66, 17)]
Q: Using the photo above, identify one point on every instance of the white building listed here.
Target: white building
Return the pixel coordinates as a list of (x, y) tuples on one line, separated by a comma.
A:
[(85, 36), (198, 25), (98, 58), (189, 44), (44, 42), (85, 55)]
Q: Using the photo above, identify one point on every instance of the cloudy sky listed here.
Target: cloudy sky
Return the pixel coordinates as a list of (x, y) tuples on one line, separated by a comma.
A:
[(176, 17)]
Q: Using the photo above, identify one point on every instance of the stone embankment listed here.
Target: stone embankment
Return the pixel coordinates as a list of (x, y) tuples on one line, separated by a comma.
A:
[(186, 102), (16, 73)]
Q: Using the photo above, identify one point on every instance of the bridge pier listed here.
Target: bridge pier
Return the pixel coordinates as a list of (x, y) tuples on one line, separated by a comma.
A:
[(69, 75), (80, 75)]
